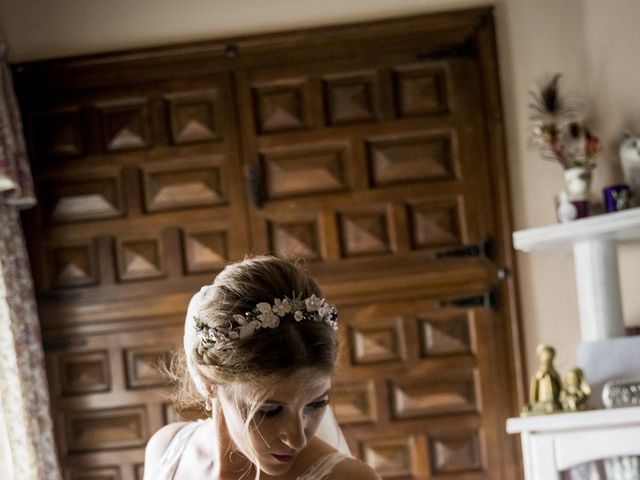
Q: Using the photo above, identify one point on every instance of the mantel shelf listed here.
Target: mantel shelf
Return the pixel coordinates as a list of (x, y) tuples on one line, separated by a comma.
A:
[(623, 226), (558, 422)]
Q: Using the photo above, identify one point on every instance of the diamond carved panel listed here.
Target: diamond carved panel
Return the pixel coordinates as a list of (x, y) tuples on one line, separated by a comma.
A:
[(104, 473), (90, 430), (446, 336), (280, 107), (391, 458), (433, 395), (379, 341), (59, 133), (354, 402), (125, 124), (205, 250), (140, 259), (142, 365), (85, 372), (349, 99), (194, 116), (458, 452), (299, 239), (97, 198), (435, 224), (73, 266), (420, 91), (185, 183), (410, 159), (364, 233), (315, 169)]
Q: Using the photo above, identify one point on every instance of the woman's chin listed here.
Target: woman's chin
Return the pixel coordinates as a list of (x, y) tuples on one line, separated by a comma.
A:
[(276, 465)]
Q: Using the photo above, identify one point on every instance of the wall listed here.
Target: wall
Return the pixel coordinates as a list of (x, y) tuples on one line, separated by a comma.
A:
[(593, 44)]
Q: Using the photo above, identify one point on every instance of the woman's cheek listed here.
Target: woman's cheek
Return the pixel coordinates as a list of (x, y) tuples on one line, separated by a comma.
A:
[(313, 421)]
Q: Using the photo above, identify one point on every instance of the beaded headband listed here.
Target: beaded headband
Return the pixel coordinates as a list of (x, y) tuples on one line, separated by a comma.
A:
[(265, 315)]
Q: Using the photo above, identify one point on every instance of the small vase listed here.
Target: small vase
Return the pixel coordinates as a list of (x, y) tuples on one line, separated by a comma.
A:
[(578, 182)]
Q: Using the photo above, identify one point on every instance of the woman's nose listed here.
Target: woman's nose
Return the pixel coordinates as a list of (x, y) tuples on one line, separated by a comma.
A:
[(293, 435)]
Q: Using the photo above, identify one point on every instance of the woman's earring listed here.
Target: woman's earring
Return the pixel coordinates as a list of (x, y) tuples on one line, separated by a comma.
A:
[(207, 404)]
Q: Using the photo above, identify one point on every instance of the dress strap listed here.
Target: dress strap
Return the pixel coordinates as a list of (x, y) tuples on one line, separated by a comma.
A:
[(170, 459), (322, 467)]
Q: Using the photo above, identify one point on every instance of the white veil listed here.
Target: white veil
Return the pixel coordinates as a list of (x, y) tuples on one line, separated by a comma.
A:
[(330, 432)]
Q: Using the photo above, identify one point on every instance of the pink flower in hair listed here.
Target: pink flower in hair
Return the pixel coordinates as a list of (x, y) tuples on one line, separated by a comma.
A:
[(313, 303)]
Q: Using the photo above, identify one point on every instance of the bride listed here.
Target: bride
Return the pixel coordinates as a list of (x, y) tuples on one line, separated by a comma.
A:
[(260, 350)]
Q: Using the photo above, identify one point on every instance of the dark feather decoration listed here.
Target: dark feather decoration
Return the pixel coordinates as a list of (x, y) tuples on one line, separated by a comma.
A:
[(547, 101), (557, 135)]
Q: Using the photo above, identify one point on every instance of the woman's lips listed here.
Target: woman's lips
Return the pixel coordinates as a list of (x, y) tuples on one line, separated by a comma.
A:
[(283, 458)]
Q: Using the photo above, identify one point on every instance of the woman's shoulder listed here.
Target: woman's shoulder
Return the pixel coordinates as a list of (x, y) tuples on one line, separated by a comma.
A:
[(353, 468), (160, 441), (345, 467)]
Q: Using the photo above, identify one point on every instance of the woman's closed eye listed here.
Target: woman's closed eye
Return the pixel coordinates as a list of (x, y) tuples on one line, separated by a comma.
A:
[(270, 410), (320, 403)]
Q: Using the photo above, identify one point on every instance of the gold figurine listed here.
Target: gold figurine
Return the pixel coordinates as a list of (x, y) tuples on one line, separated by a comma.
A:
[(575, 392), (544, 393)]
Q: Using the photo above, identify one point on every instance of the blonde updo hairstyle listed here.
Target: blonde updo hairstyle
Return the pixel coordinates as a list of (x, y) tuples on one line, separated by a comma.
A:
[(262, 359)]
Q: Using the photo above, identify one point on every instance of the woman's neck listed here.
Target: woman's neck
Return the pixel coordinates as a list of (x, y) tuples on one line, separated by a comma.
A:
[(226, 459)]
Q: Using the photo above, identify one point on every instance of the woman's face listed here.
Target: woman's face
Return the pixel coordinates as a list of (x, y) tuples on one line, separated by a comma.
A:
[(285, 422)]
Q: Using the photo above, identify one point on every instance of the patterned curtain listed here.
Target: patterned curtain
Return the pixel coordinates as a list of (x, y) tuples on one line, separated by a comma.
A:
[(615, 468), (27, 450)]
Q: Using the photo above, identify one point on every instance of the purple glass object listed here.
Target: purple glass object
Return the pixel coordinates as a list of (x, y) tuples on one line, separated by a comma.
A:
[(569, 210), (616, 197), (582, 206)]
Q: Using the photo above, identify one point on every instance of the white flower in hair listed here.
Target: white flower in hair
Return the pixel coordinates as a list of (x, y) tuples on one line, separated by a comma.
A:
[(298, 315), (269, 320), (281, 307), (313, 303), (247, 330), (263, 307), (325, 310)]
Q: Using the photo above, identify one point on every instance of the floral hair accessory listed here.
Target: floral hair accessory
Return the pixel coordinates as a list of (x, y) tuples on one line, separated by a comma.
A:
[(265, 315)]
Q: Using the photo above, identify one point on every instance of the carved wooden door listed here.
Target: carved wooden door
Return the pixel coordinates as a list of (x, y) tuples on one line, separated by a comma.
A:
[(372, 169), (140, 201), (370, 150)]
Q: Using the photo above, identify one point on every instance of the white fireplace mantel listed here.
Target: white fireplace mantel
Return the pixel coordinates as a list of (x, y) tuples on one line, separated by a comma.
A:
[(593, 242), (554, 443)]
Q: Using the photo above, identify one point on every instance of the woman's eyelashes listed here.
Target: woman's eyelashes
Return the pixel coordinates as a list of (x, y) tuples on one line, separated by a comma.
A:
[(269, 411), (320, 403)]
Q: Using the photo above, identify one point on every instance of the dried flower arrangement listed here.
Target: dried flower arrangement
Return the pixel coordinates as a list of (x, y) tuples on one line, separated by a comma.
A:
[(557, 134)]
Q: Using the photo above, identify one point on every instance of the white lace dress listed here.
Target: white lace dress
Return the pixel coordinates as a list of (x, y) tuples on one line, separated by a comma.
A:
[(169, 461)]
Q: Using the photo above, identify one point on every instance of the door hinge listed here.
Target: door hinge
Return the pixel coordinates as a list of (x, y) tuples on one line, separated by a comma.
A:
[(488, 300), (486, 250)]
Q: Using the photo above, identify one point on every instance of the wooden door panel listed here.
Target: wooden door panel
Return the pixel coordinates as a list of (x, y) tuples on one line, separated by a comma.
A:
[(108, 396), (149, 196), (141, 199), (398, 182), (418, 389)]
